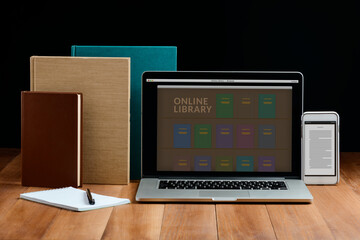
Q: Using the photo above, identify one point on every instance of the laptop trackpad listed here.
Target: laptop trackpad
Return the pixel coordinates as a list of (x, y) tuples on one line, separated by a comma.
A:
[(219, 195)]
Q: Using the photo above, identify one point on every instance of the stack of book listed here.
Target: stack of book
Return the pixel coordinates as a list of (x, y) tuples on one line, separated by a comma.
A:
[(76, 118)]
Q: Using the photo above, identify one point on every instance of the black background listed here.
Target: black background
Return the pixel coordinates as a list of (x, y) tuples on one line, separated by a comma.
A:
[(319, 38)]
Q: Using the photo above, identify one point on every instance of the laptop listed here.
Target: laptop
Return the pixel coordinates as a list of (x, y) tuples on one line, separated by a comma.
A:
[(222, 137)]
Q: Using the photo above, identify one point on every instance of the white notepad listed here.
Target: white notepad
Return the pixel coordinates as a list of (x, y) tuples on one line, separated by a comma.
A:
[(72, 199)]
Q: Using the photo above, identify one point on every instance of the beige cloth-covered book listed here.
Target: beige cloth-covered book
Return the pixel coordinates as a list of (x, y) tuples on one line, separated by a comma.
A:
[(105, 85)]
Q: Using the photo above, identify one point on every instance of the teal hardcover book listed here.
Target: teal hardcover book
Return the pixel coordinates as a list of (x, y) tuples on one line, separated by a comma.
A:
[(142, 58)]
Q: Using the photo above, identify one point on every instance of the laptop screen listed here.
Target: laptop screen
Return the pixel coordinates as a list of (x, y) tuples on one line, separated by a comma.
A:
[(223, 127)]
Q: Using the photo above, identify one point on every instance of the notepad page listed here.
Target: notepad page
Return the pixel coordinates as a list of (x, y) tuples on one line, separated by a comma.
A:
[(72, 199)]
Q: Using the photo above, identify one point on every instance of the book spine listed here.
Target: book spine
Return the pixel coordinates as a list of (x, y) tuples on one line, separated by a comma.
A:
[(22, 138), (80, 140), (73, 50), (32, 73)]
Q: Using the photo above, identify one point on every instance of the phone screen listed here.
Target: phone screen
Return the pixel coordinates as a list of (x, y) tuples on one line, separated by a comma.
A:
[(320, 148)]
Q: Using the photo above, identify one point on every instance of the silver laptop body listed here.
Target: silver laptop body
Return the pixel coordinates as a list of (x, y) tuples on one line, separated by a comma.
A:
[(222, 137)]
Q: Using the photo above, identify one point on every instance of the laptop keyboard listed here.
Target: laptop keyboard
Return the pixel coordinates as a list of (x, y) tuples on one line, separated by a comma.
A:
[(231, 185)]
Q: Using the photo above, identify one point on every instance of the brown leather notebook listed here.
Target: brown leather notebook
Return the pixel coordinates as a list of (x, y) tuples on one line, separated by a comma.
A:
[(51, 139)]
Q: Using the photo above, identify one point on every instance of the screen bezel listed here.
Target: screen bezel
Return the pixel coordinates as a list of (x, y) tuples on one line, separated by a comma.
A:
[(149, 118)]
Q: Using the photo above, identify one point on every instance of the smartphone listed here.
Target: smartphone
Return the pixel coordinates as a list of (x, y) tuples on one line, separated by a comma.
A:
[(320, 147)]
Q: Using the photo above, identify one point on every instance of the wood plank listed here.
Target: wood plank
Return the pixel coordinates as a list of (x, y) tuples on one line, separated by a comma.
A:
[(350, 170), (26, 219), (83, 225), (189, 221), (135, 220), (9, 195), (298, 221), (340, 208), (11, 174), (6, 155), (130, 191), (243, 221)]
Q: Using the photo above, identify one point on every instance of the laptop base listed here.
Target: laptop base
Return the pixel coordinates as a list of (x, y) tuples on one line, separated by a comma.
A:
[(296, 192)]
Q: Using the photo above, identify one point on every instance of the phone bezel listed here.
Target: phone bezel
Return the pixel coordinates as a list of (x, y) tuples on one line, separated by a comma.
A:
[(321, 116)]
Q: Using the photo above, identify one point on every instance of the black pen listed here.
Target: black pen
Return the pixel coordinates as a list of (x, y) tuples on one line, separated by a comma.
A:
[(91, 200)]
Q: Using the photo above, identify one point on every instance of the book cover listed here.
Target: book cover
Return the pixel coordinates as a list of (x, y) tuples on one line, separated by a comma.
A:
[(267, 105), (202, 138), (224, 136), (202, 163), (246, 106), (51, 139), (267, 136), (245, 136), (182, 136), (244, 163), (224, 163), (181, 163), (224, 105), (143, 58), (104, 83), (266, 164)]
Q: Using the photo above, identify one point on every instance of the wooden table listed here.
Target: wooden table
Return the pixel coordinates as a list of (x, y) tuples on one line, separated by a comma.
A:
[(335, 213)]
